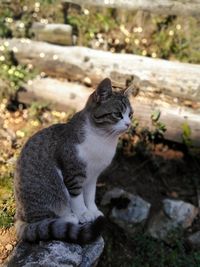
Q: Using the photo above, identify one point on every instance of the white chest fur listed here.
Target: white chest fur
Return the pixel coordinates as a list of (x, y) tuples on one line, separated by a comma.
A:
[(97, 152)]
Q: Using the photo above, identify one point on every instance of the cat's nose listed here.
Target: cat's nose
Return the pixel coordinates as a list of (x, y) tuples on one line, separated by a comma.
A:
[(127, 124)]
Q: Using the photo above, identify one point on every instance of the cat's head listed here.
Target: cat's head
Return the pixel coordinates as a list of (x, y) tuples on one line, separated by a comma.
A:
[(108, 110)]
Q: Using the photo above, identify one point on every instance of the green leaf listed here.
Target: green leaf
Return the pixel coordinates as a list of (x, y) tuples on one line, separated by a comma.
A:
[(155, 115)]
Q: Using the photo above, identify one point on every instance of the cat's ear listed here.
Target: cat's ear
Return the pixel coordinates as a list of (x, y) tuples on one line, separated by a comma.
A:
[(131, 90), (128, 91), (104, 90)]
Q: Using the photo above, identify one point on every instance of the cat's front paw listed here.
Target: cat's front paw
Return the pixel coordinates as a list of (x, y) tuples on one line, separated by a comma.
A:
[(96, 213), (90, 215), (72, 218), (87, 216)]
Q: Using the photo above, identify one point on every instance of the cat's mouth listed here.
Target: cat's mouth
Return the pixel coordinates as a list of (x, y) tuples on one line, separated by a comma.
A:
[(122, 130)]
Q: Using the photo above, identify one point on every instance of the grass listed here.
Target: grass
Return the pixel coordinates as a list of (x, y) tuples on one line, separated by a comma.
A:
[(152, 253), (7, 206), (143, 250)]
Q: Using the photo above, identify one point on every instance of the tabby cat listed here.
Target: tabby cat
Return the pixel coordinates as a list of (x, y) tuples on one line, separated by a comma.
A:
[(57, 170)]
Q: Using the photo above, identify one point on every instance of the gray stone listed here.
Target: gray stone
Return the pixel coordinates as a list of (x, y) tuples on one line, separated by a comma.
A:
[(136, 211), (112, 194), (53, 33), (179, 211), (175, 213), (128, 210), (194, 240), (55, 254)]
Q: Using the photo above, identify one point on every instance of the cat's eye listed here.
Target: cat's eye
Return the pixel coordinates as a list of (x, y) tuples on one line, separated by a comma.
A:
[(131, 115), (118, 115), (102, 116)]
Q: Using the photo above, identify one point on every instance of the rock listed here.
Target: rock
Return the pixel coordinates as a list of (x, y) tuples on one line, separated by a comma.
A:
[(55, 254), (112, 194), (194, 240), (9, 247), (175, 213), (128, 210), (136, 212), (87, 81), (181, 212)]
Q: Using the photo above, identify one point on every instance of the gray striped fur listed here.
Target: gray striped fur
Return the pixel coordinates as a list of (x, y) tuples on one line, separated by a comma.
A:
[(49, 171)]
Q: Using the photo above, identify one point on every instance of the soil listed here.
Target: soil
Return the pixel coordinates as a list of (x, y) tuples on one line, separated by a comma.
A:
[(7, 243), (164, 171), (155, 174)]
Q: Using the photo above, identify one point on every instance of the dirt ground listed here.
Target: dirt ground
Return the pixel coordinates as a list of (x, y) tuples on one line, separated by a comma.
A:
[(7, 243), (166, 170), (156, 174)]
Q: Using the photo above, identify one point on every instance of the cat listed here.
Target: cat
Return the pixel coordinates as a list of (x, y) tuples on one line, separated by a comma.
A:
[(57, 170)]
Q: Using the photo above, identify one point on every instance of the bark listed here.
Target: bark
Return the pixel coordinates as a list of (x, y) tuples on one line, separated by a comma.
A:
[(66, 95), (167, 7)]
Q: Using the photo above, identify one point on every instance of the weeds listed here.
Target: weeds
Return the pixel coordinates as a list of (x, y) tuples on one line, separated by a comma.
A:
[(186, 135), (12, 74), (143, 250), (154, 253), (7, 206), (144, 136)]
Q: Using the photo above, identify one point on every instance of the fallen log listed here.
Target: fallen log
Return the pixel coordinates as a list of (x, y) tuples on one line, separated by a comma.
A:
[(156, 78), (65, 95), (167, 7), (62, 94)]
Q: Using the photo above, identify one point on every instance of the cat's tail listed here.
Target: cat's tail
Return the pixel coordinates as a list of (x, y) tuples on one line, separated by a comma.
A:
[(58, 229)]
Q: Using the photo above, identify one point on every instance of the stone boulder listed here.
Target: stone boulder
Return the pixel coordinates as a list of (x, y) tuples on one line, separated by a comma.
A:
[(194, 240), (55, 254), (175, 214), (60, 34), (127, 210)]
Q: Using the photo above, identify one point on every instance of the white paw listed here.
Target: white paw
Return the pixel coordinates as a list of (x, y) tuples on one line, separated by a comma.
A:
[(87, 216), (90, 215), (96, 213), (72, 218)]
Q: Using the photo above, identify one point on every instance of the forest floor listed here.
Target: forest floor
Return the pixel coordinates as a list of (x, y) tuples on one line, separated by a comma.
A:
[(153, 171), (164, 171)]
